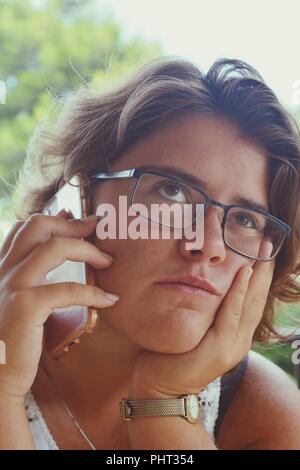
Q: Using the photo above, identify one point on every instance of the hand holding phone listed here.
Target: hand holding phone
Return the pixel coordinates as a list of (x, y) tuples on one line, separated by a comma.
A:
[(66, 326), (33, 248)]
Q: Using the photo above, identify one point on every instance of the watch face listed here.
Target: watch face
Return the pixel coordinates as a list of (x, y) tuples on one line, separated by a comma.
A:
[(193, 407)]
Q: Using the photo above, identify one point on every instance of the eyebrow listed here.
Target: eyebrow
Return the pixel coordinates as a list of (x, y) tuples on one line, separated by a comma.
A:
[(196, 181)]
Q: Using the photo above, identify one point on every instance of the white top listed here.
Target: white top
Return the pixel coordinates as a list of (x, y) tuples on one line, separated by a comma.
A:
[(43, 439)]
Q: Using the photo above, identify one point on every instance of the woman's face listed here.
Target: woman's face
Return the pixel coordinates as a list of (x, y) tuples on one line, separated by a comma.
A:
[(152, 315)]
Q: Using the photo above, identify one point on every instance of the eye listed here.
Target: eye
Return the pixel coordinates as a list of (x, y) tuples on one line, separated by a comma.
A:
[(173, 191), (243, 219)]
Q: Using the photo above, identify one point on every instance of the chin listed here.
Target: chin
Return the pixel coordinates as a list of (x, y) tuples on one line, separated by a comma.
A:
[(176, 331)]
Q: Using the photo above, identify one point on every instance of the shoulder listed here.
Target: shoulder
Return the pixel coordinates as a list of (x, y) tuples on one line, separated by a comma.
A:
[(265, 411)]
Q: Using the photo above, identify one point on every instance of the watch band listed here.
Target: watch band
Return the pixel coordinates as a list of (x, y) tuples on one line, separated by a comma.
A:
[(130, 409)]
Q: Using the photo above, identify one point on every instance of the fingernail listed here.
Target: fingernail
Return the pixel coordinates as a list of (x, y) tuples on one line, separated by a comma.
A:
[(62, 212), (107, 256), (112, 297), (90, 219)]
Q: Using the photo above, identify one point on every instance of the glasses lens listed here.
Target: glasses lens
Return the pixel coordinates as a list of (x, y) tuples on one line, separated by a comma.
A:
[(168, 201), (246, 230)]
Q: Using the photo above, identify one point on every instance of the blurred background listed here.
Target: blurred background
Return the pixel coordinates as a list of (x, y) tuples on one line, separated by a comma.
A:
[(50, 47)]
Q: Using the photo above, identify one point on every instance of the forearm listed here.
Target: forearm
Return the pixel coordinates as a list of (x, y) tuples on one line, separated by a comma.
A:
[(165, 432), (14, 429)]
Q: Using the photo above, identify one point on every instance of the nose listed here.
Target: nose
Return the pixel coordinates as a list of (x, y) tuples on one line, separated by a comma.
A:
[(213, 250)]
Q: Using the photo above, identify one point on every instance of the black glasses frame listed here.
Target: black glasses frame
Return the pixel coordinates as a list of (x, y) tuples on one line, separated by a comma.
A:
[(137, 173)]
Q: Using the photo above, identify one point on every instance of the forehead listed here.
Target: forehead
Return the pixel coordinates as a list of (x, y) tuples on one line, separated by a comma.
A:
[(208, 147)]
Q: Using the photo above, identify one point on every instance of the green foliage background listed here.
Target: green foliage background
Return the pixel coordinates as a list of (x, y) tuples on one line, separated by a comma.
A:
[(47, 49)]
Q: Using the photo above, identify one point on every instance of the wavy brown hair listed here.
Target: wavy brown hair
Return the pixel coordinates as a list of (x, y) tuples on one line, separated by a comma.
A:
[(94, 128)]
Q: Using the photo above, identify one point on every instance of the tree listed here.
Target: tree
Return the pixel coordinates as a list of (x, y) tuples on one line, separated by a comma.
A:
[(48, 47)]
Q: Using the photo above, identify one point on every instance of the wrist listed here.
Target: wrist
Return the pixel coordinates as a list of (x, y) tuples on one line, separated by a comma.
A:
[(15, 432), (142, 390), (9, 400)]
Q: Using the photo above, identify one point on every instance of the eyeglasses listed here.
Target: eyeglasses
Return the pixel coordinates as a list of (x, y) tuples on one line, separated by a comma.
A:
[(243, 229)]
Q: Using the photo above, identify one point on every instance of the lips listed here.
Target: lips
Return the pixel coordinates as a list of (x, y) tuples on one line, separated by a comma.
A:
[(192, 281)]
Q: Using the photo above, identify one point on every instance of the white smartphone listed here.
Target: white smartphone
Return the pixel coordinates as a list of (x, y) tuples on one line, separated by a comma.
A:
[(67, 326)]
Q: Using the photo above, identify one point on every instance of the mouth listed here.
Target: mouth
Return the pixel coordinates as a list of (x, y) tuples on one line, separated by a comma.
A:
[(192, 285)]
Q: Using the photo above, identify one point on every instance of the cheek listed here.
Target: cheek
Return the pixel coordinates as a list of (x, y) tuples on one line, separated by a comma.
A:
[(137, 254), (234, 262), (135, 263)]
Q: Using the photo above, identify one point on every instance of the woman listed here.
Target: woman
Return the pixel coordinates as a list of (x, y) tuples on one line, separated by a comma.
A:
[(223, 135)]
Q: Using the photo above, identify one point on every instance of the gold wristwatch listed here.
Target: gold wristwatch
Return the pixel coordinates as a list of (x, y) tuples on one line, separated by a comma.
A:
[(187, 407)]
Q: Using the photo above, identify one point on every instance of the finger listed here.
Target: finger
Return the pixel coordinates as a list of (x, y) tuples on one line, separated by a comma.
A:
[(9, 238), (15, 227), (43, 299), (228, 318), (51, 254), (257, 294), (38, 228)]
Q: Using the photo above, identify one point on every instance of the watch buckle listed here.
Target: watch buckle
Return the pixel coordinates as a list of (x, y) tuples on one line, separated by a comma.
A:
[(125, 410), (185, 407)]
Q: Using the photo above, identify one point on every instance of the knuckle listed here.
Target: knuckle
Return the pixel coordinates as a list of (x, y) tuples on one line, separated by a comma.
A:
[(55, 243), (238, 301), (236, 315), (71, 287), (21, 298), (255, 303), (75, 224), (21, 304), (35, 219), (35, 223), (241, 291)]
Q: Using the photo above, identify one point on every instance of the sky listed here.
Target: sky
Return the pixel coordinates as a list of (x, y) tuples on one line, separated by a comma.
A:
[(264, 33)]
